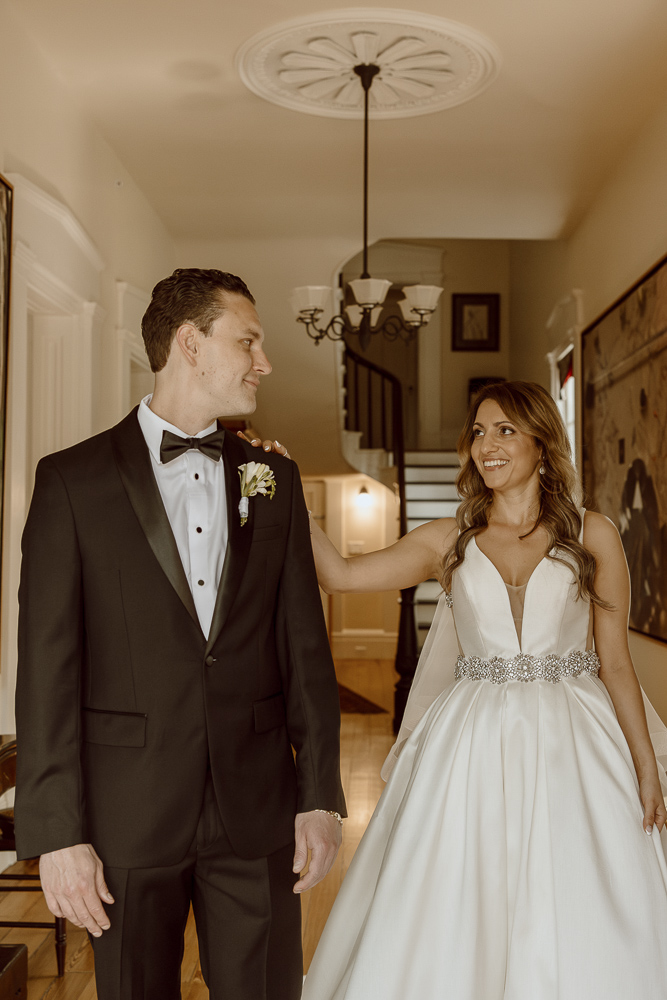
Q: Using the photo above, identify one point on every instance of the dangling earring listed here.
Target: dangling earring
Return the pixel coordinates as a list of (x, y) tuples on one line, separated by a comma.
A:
[(542, 470)]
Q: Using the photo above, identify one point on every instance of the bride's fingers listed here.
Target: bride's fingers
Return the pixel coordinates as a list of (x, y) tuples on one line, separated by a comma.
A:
[(266, 445), (651, 816)]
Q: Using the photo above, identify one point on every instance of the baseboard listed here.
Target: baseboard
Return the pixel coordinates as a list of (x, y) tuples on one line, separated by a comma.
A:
[(361, 644)]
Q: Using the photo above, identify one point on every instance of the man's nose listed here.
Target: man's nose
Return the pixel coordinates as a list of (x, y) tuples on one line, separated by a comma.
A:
[(262, 363)]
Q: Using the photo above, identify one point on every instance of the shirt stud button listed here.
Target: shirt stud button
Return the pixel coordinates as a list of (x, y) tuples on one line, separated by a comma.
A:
[(196, 475), (198, 530), (200, 582)]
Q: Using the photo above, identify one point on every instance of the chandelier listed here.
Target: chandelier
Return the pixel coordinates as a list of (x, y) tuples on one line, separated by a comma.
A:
[(364, 317)]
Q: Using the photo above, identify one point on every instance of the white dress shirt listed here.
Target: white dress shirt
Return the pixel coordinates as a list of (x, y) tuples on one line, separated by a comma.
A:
[(192, 488)]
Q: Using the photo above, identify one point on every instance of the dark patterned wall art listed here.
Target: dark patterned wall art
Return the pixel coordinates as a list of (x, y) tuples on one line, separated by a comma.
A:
[(6, 196), (624, 425)]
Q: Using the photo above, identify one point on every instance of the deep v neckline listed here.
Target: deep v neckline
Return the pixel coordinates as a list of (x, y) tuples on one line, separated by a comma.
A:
[(503, 581)]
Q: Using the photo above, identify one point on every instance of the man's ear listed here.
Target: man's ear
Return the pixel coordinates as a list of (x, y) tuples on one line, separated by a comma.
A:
[(186, 339)]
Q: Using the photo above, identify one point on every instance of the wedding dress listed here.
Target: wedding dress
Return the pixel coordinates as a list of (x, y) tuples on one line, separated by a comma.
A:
[(506, 859)]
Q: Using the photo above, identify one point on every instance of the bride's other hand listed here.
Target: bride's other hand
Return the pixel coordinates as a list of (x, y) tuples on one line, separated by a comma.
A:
[(610, 632), (655, 813), (266, 445)]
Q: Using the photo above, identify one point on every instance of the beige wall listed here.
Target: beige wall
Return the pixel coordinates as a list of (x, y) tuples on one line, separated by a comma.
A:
[(362, 626), (297, 403), (621, 236), (471, 266)]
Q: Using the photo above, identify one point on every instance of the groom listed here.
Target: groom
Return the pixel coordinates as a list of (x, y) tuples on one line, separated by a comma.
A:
[(177, 711)]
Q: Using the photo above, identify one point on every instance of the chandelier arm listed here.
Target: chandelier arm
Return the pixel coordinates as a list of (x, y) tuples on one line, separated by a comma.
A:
[(335, 329), (393, 328)]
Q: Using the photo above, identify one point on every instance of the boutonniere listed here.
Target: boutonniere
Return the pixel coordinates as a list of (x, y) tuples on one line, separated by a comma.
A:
[(255, 478)]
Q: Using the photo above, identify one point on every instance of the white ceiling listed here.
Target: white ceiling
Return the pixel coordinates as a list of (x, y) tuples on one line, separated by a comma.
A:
[(522, 160)]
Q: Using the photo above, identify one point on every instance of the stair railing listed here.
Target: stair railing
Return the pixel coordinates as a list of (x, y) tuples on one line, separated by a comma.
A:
[(374, 406)]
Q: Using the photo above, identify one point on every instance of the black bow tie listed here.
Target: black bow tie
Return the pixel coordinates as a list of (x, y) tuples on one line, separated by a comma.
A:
[(172, 445)]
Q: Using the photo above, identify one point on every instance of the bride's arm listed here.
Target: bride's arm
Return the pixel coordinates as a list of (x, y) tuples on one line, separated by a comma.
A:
[(416, 557), (612, 582)]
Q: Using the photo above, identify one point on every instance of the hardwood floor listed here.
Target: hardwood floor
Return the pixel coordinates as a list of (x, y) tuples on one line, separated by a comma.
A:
[(366, 739)]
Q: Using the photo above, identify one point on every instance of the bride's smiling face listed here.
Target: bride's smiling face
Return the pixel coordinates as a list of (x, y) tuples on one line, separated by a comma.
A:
[(504, 455)]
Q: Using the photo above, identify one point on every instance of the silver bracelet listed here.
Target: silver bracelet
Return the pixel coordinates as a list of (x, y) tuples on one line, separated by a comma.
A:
[(331, 812)]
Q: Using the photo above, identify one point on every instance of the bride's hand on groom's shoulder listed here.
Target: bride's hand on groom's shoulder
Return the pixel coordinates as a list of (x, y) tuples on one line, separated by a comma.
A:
[(321, 834), (266, 445)]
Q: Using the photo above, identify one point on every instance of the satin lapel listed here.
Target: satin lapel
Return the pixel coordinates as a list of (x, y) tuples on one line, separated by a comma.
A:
[(134, 466), (238, 539)]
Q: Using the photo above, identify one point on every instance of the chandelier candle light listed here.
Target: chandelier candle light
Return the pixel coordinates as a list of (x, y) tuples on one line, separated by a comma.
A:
[(417, 307)]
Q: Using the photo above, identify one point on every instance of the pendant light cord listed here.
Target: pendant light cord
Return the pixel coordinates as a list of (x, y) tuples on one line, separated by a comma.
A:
[(366, 73)]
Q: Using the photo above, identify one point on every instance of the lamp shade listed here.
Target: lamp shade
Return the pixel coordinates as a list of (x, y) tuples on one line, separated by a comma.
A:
[(370, 292), (408, 315), (354, 314), (422, 297), (310, 298)]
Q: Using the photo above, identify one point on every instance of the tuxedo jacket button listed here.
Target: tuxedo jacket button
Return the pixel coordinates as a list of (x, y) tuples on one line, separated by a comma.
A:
[(210, 660)]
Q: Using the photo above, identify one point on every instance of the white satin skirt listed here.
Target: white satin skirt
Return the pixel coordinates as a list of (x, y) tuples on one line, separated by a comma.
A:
[(506, 860)]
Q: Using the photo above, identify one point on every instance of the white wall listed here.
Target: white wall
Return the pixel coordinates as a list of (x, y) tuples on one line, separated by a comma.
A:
[(92, 227)]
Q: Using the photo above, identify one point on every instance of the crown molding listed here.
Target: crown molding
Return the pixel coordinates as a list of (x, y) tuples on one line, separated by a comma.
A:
[(50, 206)]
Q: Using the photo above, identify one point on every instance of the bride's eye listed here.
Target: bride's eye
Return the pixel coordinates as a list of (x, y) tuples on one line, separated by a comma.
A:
[(477, 432), (506, 431)]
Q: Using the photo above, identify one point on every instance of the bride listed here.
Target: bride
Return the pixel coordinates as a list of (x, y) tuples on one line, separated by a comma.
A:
[(516, 851)]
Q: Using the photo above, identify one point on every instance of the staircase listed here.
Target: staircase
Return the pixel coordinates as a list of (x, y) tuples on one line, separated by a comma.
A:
[(430, 492)]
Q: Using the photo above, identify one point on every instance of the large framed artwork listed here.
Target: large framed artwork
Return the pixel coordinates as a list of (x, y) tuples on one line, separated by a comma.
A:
[(6, 197), (624, 427)]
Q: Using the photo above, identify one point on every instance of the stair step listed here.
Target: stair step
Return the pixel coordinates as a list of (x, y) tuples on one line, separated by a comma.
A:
[(431, 491), (430, 509), (431, 474), (432, 458), (424, 614)]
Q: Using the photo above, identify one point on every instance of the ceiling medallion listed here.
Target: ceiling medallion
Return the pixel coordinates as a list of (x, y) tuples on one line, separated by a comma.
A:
[(426, 63)]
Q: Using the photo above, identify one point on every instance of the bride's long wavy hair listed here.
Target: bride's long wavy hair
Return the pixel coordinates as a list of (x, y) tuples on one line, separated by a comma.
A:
[(532, 410)]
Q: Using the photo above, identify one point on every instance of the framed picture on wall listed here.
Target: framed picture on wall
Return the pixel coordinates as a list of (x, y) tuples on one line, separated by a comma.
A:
[(475, 322), (6, 197), (624, 431)]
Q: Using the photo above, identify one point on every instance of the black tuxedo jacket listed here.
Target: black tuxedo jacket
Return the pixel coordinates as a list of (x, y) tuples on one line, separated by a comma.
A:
[(122, 702)]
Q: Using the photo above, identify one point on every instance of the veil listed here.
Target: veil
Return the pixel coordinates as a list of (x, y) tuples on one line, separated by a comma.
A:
[(435, 673)]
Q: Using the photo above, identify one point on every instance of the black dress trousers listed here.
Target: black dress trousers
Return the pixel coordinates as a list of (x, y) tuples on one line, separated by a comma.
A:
[(247, 916)]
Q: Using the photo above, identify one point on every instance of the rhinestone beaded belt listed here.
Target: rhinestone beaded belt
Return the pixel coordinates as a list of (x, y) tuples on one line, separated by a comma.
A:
[(528, 668)]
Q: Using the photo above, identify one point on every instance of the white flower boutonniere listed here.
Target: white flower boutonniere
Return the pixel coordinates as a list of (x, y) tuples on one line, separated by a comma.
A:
[(255, 478)]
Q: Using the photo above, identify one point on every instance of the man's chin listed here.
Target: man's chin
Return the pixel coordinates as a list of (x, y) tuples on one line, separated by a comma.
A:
[(240, 411)]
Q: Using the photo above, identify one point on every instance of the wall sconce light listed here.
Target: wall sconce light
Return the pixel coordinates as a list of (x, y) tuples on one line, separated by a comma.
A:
[(364, 498)]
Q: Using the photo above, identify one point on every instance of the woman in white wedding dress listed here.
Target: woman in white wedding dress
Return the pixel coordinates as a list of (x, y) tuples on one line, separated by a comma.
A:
[(517, 851)]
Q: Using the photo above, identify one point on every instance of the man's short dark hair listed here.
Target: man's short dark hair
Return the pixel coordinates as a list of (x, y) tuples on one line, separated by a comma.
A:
[(189, 295)]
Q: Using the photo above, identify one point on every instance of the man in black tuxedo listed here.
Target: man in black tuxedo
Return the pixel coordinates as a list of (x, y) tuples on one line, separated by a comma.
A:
[(177, 711)]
